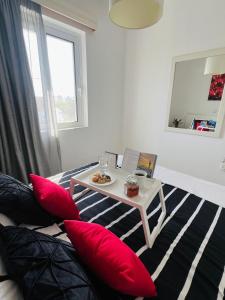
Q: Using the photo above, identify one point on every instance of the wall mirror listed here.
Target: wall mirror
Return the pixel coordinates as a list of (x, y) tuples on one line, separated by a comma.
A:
[(197, 96)]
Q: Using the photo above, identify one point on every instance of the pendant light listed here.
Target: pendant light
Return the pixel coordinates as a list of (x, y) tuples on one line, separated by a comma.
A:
[(135, 14)]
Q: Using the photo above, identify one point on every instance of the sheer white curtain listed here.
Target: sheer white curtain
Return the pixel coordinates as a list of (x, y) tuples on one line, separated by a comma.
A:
[(36, 46)]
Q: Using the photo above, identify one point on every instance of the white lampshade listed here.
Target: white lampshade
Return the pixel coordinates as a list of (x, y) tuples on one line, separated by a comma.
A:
[(215, 65), (135, 14)]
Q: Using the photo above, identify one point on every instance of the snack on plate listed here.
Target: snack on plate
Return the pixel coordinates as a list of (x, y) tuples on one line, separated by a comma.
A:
[(101, 178)]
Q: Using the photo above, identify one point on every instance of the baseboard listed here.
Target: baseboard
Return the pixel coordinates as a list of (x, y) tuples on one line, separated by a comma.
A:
[(205, 189)]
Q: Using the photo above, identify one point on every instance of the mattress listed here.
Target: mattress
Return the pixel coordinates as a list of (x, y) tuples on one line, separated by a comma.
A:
[(188, 257)]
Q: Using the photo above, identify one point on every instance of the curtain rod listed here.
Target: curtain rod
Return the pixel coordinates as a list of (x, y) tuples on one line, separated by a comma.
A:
[(66, 19)]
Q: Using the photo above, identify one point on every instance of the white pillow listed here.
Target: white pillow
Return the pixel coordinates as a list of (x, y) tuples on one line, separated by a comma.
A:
[(8, 289), (5, 221)]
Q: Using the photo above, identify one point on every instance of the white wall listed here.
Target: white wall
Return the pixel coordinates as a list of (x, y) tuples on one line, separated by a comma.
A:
[(105, 70), (186, 27), (190, 93)]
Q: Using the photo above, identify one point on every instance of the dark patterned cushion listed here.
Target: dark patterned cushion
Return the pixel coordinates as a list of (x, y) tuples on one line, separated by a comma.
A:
[(17, 201), (44, 267)]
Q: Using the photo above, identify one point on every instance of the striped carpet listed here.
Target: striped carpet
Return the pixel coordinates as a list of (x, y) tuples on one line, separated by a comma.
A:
[(188, 258)]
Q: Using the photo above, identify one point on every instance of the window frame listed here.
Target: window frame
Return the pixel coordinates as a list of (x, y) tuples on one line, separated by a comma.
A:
[(78, 38)]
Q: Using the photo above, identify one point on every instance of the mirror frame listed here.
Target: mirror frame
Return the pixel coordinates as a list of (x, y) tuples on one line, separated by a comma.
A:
[(221, 112)]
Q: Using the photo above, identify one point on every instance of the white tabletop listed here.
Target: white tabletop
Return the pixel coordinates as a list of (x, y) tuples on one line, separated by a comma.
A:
[(116, 189)]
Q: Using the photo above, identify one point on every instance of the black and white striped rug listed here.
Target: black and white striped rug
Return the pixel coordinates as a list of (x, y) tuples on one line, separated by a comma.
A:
[(188, 258)]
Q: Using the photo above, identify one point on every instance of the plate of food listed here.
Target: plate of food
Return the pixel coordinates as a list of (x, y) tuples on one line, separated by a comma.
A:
[(102, 179)]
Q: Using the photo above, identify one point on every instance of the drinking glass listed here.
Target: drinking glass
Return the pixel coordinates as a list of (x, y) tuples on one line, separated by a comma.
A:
[(103, 163)]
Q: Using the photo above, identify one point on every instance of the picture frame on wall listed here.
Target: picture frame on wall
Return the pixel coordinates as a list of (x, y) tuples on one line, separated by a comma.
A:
[(216, 87)]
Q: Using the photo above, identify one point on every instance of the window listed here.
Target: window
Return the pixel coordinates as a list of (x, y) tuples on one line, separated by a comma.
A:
[(62, 70), (67, 62)]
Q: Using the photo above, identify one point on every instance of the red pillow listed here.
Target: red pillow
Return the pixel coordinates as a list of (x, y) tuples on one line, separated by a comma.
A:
[(112, 260), (54, 198)]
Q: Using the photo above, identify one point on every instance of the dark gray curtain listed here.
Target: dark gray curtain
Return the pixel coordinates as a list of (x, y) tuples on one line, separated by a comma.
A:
[(21, 147)]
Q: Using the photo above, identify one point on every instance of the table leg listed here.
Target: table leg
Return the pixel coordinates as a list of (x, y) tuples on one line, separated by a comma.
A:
[(145, 224), (162, 200), (80, 195), (150, 237), (161, 218), (72, 184)]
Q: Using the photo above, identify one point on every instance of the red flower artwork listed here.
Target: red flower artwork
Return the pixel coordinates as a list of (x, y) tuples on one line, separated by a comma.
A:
[(216, 87)]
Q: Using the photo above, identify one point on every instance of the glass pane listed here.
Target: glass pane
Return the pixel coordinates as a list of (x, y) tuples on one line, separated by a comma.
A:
[(61, 61)]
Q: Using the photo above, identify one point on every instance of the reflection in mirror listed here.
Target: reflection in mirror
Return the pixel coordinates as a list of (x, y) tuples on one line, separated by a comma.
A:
[(197, 93)]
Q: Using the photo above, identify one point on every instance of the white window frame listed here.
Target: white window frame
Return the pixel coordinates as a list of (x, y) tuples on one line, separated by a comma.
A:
[(78, 38)]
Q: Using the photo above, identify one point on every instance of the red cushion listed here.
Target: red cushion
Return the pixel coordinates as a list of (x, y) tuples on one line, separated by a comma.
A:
[(112, 260), (54, 198)]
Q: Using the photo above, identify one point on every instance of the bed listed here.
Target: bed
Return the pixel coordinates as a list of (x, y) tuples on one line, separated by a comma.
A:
[(188, 258)]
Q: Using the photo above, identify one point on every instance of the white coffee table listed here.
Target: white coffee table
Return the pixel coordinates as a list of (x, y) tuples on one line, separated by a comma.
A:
[(116, 191)]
